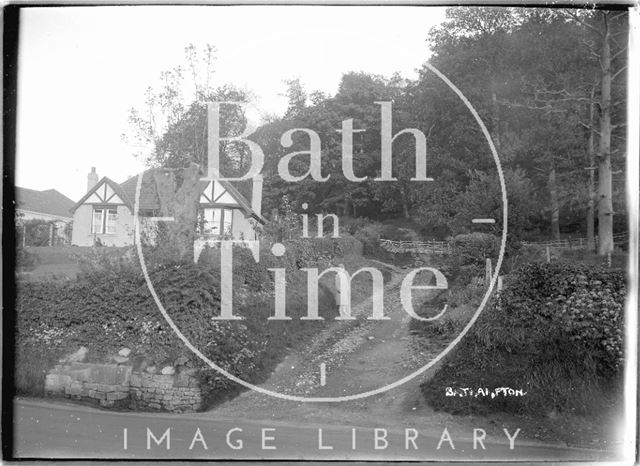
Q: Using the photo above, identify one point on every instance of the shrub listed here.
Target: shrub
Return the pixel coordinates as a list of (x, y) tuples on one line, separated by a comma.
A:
[(31, 366), (95, 259), (560, 303), (352, 225), (25, 260), (110, 307), (555, 331), (474, 248), (370, 236)]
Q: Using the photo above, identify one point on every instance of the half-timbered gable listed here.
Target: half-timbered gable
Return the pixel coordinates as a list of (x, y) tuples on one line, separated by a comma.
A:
[(103, 215), (105, 212)]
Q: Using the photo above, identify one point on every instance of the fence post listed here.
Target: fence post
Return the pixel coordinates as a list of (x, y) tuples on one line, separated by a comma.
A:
[(548, 255), (499, 283), (51, 235), (487, 272), (609, 259)]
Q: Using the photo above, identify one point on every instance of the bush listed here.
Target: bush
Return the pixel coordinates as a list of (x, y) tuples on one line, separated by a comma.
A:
[(555, 331), (25, 260), (110, 307), (31, 366), (475, 248), (96, 259), (560, 302), (369, 235)]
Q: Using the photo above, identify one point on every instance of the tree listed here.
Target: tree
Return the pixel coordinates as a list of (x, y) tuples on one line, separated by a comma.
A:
[(483, 198), (604, 27), (175, 127)]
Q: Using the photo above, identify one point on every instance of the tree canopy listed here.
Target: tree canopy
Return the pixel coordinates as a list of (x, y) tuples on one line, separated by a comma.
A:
[(546, 82)]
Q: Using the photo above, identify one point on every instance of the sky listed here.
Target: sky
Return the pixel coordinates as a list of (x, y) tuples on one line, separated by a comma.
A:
[(81, 69)]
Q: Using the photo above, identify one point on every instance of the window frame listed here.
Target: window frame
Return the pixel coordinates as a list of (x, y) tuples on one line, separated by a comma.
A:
[(224, 224), (94, 211), (105, 224)]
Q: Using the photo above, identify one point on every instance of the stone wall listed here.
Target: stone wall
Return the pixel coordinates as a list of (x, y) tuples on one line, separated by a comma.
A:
[(118, 386), (175, 393)]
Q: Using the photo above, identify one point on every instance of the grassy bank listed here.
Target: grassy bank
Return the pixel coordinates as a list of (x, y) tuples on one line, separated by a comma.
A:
[(108, 307)]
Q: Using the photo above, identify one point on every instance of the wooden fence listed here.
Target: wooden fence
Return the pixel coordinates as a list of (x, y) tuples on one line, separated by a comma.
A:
[(572, 243), (442, 247), (420, 247)]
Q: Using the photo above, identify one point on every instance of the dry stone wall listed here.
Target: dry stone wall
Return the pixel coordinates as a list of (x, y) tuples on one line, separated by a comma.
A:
[(119, 386), (175, 393)]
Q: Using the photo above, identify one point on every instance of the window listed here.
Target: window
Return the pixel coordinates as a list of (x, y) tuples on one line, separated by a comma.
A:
[(96, 225), (112, 219), (104, 221), (217, 221), (226, 221)]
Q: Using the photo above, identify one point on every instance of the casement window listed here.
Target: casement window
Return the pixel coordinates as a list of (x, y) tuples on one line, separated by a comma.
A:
[(217, 221), (104, 220)]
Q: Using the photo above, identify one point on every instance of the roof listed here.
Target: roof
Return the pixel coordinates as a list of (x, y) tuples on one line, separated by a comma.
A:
[(149, 195), (49, 201), (116, 188)]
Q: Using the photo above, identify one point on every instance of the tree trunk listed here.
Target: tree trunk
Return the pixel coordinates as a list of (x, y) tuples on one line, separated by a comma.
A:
[(591, 243), (555, 205), (496, 119), (405, 202), (347, 207), (605, 203), (181, 204)]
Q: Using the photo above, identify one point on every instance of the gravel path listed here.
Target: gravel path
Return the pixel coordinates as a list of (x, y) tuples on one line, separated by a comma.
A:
[(359, 356)]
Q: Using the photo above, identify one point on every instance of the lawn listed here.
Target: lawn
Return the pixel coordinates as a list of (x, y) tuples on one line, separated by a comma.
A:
[(62, 262)]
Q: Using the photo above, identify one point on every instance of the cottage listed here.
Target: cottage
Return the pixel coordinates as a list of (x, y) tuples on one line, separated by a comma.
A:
[(48, 206), (105, 213)]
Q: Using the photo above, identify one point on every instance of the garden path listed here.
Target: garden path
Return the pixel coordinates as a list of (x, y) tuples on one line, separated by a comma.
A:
[(359, 356)]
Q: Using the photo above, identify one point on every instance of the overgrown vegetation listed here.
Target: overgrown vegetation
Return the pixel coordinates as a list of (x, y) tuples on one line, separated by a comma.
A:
[(109, 307), (555, 332)]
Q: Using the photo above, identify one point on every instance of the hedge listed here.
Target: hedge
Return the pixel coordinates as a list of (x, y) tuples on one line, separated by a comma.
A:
[(556, 332), (108, 308)]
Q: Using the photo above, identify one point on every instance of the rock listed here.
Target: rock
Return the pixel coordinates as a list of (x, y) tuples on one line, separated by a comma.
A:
[(78, 356), (56, 383), (168, 370), (120, 359), (124, 352), (150, 370)]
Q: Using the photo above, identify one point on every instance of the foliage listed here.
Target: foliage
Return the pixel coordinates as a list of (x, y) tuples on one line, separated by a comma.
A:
[(25, 260), (109, 307), (31, 366), (483, 198), (36, 232), (475, 248), (555, 331), (284, 224)]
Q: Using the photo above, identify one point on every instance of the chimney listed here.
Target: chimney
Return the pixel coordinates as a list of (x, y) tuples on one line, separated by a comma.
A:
[(256, 194), (92, 179)]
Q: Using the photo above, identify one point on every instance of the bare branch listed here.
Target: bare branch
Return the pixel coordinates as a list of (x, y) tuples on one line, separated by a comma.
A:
[(575, 17), (618, 72), (589, 127), (623, 50), (614, 17)]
